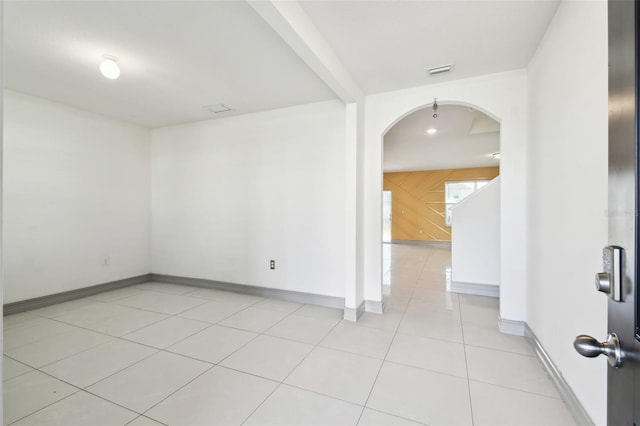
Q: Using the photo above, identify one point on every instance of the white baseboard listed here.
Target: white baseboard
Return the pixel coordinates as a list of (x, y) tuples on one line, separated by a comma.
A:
[(475, 289), (511, 327), (351, 314), (373, 306), (578, 412)]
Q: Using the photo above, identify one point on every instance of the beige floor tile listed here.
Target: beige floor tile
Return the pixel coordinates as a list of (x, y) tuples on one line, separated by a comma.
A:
[(79, 409), (126, 322), (254, 319), (293, 406), (376, 418), (320, 312), (58, 309), (148, 382), (430, 354), (56, 347), (113, 295), (510, 370), (495, 406), (279, 305), (341, 375), (33, 331), (93, 365), (303, 329), (269, 357), (490, 337), (16, 320), (165, 287), (421, 395), (479, 315), (144, 421), (25, 394), (167, 332), (218, 397), (12, 368), (213, 311), (360, 340), (389, 321), (435, 326), (213, 344)]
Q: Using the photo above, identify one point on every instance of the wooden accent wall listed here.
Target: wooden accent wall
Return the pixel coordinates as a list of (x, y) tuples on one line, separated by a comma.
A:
[(421, 196)]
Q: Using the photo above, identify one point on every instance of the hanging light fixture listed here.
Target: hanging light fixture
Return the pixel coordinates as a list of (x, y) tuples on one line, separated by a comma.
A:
[(435, 108), (109, 67)]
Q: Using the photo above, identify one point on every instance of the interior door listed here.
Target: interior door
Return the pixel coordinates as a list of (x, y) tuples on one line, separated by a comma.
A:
[(620, 273)]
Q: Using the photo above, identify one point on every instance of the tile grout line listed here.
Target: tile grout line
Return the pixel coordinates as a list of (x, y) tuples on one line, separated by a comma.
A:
[(466, 362), (157, 350), (217, 364), (395, 333), (292, 370)]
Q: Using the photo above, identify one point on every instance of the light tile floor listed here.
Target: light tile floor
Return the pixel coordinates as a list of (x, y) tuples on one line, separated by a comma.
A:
[(158, 353)]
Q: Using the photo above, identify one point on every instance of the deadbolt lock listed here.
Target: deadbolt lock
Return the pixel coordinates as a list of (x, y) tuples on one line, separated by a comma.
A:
[(610, 281)]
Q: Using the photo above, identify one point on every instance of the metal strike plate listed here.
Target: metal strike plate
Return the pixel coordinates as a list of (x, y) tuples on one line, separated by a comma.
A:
[(610, 281)]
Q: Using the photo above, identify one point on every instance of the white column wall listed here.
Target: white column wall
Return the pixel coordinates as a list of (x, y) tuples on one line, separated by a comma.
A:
[(567, 189)]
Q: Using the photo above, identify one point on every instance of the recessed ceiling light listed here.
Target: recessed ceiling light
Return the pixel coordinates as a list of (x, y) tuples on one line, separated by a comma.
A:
[(495, 155), (439, 70), (432, 131), (109, 67)]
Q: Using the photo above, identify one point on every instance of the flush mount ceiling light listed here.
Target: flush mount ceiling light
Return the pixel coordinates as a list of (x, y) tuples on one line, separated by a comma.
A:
[(432, 131), (109, 67), (439, 70), (495, 155)]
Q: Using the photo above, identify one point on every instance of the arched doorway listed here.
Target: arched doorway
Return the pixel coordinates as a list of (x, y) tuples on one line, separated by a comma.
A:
[(433, 159), (500, 96)]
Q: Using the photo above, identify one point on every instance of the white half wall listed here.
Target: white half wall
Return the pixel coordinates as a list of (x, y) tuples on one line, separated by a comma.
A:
[(231, 194), (76, 198), (501, 96), (567, 190), (475, 237)]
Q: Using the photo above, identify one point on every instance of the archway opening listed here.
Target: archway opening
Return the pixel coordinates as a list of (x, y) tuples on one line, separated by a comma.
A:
[(440, 215)]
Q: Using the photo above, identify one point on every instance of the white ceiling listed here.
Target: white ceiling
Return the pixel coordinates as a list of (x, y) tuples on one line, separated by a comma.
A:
[(175, 56), (464, 138), (178, 56), (389, 45)]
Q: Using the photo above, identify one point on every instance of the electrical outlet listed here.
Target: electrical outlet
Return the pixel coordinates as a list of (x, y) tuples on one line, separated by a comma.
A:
[(106, 261), (272, 264)]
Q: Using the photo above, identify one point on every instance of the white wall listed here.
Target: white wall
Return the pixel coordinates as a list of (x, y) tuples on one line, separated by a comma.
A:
[(567, 161), (76, 191), (475, 237), (503, 97), (232, 193)]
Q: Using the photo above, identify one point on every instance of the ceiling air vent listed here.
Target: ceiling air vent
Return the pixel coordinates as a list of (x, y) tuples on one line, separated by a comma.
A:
[(218, 108), (439, 70)]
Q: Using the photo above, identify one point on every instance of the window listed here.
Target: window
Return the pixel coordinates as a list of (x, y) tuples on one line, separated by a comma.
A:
[(455, 192)]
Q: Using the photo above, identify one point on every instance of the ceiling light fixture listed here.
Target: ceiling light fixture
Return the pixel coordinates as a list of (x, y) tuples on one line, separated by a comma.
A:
[(109, 67), (432, 131), (495, 155), (439, 70), (435, 108)]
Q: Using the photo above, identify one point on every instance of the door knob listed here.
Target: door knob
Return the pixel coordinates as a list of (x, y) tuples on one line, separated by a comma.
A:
[(590, 347)]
